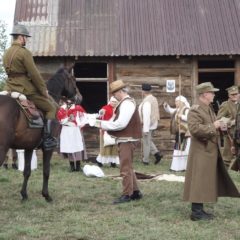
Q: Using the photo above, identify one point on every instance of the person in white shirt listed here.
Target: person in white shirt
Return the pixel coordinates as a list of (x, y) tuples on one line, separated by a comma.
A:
[(126, 128), (179, 128), (149, 115)]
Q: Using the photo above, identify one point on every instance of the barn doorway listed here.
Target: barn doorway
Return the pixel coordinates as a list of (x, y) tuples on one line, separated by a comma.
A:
[(92, 82), (221, 74)]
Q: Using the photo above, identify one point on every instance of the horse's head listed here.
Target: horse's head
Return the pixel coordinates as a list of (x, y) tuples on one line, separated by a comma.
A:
[(63, 84), (70, 87)]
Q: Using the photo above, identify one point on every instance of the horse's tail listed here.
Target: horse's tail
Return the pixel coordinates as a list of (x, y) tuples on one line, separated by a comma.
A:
[(9, 114)]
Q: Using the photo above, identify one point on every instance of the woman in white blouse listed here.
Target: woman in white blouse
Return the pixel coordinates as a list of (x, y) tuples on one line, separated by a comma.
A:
[(179, 128)]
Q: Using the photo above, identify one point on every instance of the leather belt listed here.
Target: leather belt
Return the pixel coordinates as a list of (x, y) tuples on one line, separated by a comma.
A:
[(14, 75)]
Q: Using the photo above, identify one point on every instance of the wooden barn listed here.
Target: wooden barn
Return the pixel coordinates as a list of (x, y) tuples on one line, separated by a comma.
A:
[(139, 41)]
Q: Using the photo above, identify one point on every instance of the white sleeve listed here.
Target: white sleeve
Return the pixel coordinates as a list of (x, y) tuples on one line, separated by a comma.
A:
[(169, 109), (126, 111), (146, 110), (184, 116)]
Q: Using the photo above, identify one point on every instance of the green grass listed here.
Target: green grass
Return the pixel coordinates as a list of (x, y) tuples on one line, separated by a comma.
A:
[(82, 208)]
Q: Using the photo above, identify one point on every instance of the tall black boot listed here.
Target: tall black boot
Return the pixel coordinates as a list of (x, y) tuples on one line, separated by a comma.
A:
[(78, 167), (49, 142), (72, 167), (198, 213), (158, 157)]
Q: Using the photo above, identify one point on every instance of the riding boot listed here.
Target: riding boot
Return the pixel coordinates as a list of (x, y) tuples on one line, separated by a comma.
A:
[(49, 142), (72, 167), (78, 167)]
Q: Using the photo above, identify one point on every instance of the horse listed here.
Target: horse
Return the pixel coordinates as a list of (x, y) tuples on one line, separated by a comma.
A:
[(15, 132)]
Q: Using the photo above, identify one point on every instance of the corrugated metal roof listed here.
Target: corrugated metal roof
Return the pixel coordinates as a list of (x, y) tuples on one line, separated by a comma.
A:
[(131, 27)]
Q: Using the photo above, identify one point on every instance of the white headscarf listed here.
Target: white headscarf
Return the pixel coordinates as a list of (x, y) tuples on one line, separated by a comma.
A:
[(183, 100)]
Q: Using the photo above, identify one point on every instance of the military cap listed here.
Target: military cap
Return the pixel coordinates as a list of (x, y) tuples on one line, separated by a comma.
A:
[(232, 90), (206, 87), (19, 29)]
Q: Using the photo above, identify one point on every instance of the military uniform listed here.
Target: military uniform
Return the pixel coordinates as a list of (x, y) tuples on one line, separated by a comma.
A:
[(228, 110), (24, 77), (206, 177)]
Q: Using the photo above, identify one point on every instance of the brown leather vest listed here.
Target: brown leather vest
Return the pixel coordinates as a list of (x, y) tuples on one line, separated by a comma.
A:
[(133, 129)]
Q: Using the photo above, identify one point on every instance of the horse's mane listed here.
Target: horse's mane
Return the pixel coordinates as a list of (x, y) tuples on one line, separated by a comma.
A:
[(56, 83), (57, 80)]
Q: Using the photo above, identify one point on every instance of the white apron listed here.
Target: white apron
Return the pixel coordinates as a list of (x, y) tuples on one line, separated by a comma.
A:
[(71, 139)]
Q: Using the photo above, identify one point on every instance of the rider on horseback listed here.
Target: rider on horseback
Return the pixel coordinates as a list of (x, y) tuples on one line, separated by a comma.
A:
[(23, 77)]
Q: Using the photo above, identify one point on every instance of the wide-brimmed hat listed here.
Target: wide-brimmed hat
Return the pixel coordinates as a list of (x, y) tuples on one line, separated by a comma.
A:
[(206, 87), (233, 90), (117, 85)]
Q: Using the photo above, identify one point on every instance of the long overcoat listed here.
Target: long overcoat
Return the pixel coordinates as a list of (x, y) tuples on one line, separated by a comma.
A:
[(206, 176)]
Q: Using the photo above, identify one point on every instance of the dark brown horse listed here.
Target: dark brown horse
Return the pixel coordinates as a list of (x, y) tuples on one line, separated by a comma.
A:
[(15, 133)]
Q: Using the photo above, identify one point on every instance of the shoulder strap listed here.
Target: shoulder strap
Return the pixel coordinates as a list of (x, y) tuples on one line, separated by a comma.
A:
[(11, 59)]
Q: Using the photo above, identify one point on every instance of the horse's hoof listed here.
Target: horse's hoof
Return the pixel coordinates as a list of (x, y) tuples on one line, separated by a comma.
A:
[(24, 199), (47, 198)]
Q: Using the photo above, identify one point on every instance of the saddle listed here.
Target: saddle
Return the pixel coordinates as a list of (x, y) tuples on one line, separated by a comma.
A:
[(33, 115)]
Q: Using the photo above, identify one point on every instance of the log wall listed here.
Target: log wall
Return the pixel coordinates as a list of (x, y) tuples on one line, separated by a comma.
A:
[(156, 71), (138, 70)]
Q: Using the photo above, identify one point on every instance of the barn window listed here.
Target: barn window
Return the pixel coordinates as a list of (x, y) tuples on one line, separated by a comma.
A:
[(90, 70), (92, 81)]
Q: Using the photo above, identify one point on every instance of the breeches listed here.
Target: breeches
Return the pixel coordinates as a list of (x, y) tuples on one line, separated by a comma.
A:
[(45, 105), (129, 180)]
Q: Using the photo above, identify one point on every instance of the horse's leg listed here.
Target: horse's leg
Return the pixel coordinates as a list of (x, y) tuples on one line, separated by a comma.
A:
[(3, 152), (47, 155), (26, 172)]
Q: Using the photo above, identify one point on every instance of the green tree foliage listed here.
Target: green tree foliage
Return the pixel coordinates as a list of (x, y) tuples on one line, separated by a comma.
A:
[(3, 45)]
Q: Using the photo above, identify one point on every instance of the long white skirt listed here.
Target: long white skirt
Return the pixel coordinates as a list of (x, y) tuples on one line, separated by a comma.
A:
[(179, 161), (71, 140)]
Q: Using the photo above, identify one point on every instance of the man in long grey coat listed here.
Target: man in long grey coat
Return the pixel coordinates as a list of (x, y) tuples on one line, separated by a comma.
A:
[(206, 176)]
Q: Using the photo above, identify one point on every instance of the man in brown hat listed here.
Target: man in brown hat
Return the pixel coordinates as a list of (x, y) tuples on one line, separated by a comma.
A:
[(126, 128), (206, 177), (227, 112)]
